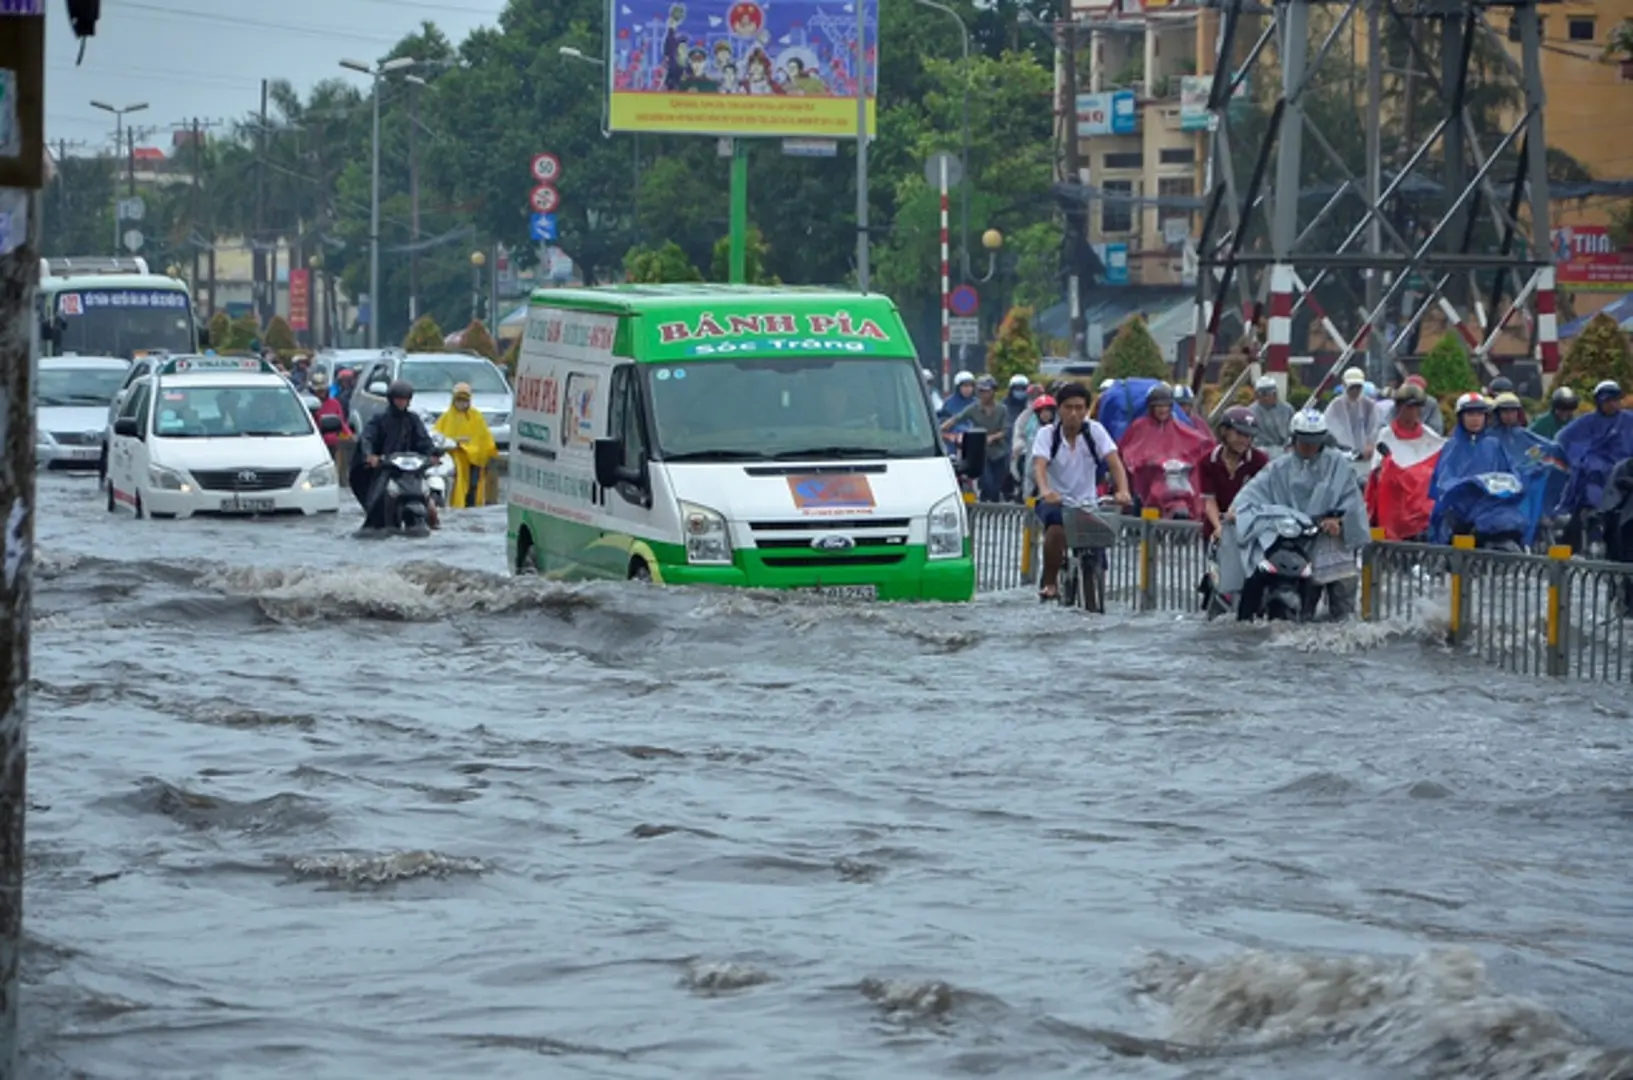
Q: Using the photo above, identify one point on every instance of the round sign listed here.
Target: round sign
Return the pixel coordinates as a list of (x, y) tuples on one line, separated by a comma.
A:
[(546, 169), (133, 239), (932, 170), (964, 301), (544, 199)]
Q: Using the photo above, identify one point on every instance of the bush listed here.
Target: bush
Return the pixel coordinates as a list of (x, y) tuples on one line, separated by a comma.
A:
[(1447, 370), (424, 336), (476, 339), (659, 266), (244, 335), (754, 253), (1600, 353), (279, 336), (1133, 354), (220, 330), (1014, 351)]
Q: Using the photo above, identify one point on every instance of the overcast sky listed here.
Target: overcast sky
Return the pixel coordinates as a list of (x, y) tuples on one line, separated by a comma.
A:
[(189, 58)]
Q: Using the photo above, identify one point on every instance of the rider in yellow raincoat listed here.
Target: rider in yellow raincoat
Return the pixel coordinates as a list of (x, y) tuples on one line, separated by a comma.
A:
[(463, 424)]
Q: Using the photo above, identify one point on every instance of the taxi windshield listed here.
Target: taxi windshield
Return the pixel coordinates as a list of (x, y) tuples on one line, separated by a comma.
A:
[(216, 412)]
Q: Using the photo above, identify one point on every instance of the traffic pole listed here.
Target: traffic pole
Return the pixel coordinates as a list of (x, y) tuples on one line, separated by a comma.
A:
[(739, 211), (22, 174), (946, 295)]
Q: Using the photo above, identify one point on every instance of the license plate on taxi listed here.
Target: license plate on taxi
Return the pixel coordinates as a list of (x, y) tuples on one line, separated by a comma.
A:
[(843, 592), (248, 506)]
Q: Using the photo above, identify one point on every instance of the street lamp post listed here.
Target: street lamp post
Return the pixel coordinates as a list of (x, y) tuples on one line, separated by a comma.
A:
[(478, 260), (376, 73), (964, 154), (118, 148)]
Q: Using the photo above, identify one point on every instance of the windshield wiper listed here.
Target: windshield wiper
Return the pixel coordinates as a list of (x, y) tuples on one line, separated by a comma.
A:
[(715, 455), (269, 434), (831, 452)]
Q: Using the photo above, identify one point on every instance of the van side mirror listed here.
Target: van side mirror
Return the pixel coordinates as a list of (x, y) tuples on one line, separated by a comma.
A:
[(609, 463), (330, 424), (972, 453), (126, 426), (379, 388)]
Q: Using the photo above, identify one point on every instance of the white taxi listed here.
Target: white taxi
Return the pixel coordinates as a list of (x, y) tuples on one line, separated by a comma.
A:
[(219, 435)]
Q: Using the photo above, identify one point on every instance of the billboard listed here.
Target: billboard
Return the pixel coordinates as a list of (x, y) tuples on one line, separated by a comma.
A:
[(1193, 101), (1586, 260), (1110, 112), (767, 68)]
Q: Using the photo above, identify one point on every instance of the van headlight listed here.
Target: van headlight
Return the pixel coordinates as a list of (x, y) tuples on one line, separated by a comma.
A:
[(945, 538), (167, 479), (708, 541), (321, 476)]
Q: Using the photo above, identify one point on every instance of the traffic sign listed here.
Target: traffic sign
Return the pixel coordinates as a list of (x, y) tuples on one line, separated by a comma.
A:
[(541, 228), (133, 239), (932, 170), (964, 301), (546, 168), (544, 199), (131, 209), (964, 331)]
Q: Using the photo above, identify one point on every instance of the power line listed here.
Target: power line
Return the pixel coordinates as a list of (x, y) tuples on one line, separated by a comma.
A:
[(255, 24)]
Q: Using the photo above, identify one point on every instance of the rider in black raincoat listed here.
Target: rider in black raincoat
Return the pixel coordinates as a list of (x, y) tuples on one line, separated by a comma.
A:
[(397, 430)]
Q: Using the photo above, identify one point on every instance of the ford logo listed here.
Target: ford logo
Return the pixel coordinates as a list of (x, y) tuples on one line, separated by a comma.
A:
[(833, 543)]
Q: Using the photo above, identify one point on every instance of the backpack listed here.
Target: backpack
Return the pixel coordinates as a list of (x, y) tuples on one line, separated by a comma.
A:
[(1055, 439)]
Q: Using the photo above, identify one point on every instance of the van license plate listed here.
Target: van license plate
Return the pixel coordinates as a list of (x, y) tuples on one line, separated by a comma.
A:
[(248, 506), (844, 592)]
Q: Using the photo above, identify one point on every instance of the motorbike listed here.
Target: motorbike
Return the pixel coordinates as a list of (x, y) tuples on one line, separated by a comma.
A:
[(1284, 578), (1166, 488), (405, 488), (1490, 506), (439, 481)]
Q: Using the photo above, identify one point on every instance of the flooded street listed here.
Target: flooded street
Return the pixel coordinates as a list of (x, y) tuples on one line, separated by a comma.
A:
[(305, 806)]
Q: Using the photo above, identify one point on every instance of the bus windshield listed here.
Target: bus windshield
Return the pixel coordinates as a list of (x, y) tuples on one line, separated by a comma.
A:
[(215, 412), (786, 409), (124, 322)]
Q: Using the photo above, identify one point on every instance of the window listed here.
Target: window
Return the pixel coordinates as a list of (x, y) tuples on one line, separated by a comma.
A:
[(1579, 29), (221, 412), (1133, 159), (133, 402), (1116, 216), (1176, 187), (440, 376), (1542, 28), (626, 423), (1177, 155), (578, 412), (380, 372), (1514, 28)]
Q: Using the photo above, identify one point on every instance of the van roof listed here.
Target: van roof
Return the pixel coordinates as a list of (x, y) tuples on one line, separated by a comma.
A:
[(636, 299)]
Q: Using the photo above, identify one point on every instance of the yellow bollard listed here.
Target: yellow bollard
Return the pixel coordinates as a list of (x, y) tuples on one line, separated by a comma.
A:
[(1368, 571), (1561, 553), (1455, 631), (1150, 513), (1029, 540)]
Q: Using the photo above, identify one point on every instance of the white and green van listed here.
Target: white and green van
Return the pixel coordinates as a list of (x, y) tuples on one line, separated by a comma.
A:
[(732, 435)]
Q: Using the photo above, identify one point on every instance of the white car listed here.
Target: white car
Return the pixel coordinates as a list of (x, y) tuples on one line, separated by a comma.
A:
[(433, 377), (72, 397), (219, 435)]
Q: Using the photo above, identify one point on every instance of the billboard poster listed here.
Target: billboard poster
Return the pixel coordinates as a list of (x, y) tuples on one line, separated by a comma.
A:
[(1586, 260), (1107, 113), (766, 68), (1193, 101), (300, 299)]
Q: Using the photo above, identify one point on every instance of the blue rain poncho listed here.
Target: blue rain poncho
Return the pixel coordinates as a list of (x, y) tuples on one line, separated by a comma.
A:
[(1593, 445), (1458, 494)]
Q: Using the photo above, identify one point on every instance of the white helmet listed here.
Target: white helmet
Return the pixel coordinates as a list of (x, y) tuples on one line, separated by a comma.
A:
[(1266, 384), (1107, 384), (1182, 392), (1018, 381), (963, 377), (1309, 424)]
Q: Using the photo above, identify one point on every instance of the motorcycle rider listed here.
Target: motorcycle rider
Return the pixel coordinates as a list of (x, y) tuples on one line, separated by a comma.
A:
[(1274, 417), (1563, 404), (1397, 488), (1352, 417), (1151, 442), (1226, 470), (1472, 449), (1319, 482), (1593, 445), (395, 430)]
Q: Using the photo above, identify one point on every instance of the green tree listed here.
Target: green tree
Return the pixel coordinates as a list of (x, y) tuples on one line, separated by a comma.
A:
[(1014, 349), (424, 336), (1599, 353), (279, 336), (659, 266), (754, 259), (1133, 354), (476, 338), (220, 330), (1446, 368), (244, 335)]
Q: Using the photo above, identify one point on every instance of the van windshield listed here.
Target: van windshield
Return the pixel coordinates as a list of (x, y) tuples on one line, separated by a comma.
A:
[(790, 408)]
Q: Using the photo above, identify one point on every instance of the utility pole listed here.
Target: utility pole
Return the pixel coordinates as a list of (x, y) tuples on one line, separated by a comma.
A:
[(257, 255), (413, 202), (1077, 230), (861, 145), (23, 172)]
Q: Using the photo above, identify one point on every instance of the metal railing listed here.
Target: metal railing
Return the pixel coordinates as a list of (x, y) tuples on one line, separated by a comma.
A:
[(1529, 614)]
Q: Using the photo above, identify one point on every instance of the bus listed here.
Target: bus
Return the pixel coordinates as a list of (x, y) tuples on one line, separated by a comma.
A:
[(113, 307)]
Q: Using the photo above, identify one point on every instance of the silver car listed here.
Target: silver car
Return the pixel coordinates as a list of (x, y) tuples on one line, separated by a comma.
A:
[(73, 395), (433, 377)]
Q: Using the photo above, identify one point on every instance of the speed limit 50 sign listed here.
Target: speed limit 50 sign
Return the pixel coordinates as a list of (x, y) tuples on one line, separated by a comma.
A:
[(546, 169)]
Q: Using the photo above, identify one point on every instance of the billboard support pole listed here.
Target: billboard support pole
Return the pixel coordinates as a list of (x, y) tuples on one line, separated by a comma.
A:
[(861, 146), (739, 211)]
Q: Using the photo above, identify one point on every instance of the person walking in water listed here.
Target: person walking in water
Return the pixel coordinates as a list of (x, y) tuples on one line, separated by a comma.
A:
[(474, 447)]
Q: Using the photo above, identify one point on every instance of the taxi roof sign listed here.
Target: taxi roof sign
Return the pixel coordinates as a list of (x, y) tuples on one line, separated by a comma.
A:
[(190, 365)]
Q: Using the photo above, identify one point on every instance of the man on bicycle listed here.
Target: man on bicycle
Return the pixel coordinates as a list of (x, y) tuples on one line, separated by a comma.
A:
[(1066, 460)]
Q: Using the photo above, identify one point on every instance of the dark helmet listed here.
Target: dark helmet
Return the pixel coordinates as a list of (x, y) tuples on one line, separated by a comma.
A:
[(1502, 384), (1159, 395), (1564, 398), (1240, 418), (400, 388)]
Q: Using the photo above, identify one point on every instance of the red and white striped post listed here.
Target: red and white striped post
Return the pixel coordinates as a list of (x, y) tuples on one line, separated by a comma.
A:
[(1279, 334), (946, 291), (1547, 324)]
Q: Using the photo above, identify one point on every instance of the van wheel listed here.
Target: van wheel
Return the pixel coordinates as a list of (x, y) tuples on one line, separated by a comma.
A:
[(527, 564), (141, 511), (639, 570), (112, 503)]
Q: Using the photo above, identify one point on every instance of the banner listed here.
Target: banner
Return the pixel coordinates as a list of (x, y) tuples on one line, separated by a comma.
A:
[(300, 293), (773, 69), (1586, 260), (1193, 101), (1108, 113)]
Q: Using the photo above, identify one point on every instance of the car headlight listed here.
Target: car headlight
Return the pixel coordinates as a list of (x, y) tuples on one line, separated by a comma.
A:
[(499, 419), (167, 479), (945, 537), (321, 476), (708, 541)]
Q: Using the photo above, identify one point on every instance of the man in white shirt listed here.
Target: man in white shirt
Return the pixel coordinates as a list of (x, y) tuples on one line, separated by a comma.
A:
[(1066, 460)]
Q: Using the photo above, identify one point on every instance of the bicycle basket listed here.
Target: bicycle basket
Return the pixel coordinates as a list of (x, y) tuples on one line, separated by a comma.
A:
[(1088, 529)]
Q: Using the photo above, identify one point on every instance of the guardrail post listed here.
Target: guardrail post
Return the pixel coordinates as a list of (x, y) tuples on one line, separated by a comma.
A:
[(1369, 570), (1148, 576), (1029, 543), (1559, 612), (1460, 592)]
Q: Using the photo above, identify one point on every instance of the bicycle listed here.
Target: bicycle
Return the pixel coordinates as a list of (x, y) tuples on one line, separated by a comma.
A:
[(1090, 533)]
